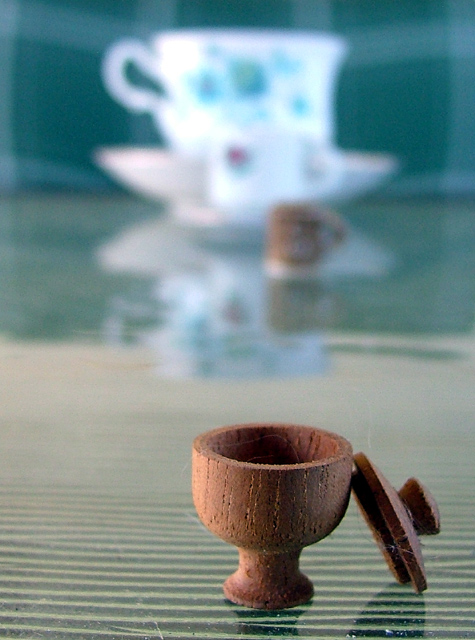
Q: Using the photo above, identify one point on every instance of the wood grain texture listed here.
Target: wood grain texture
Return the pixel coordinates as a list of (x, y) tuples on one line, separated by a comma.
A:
[(422, 507), (390, 523), (270, 489)]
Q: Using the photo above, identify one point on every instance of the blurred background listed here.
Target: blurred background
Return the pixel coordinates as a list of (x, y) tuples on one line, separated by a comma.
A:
[(407, 86)]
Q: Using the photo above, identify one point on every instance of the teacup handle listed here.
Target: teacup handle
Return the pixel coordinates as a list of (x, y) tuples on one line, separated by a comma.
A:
[(114, 67)]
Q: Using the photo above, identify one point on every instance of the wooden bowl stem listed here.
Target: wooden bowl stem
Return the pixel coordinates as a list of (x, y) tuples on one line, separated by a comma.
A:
[(268, 581)]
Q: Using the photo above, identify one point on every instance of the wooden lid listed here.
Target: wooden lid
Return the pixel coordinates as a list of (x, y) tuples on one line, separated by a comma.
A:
[(390, 522)]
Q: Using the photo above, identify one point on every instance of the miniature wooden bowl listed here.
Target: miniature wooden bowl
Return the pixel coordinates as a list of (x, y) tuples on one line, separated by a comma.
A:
[(270, 489)]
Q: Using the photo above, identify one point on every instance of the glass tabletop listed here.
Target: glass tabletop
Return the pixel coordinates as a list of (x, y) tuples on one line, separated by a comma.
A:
[(124, 335)]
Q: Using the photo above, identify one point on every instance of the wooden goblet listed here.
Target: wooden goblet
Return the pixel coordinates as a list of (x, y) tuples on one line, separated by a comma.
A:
[(270, 489)]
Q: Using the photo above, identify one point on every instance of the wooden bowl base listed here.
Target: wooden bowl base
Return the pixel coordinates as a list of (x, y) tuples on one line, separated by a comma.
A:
[(268, 581)]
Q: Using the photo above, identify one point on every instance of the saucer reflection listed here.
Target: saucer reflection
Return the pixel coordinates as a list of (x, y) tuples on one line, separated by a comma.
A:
[(226, 321)]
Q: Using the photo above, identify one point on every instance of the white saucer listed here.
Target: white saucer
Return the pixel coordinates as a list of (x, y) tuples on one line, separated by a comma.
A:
[(154, 173), (159, 175)]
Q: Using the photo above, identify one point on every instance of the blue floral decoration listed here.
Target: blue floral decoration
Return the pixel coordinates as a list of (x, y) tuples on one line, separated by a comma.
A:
[(206, 87), (300, 106), (248, 78), (285, 65), (213, 51)]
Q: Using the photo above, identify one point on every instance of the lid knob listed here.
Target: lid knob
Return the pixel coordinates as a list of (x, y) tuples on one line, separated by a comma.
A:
[(422, 507)]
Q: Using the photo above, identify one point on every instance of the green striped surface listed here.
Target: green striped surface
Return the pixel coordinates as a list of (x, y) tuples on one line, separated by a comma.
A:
[(82, 565)]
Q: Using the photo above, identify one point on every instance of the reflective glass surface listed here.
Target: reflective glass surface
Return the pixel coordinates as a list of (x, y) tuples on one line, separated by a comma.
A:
[(124, 335)]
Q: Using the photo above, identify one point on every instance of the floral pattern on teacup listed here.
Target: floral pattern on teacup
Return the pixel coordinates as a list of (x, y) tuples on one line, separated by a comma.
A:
[(249, 90), (248, 78), (284, 64), (238, 158), (207, 87)]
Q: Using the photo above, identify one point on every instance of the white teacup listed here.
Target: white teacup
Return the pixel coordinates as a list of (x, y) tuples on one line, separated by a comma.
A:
[(251, 170), (229, 77)]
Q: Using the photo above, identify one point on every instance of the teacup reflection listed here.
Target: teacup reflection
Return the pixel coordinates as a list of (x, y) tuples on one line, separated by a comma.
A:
[(301, 306), (226, 320)]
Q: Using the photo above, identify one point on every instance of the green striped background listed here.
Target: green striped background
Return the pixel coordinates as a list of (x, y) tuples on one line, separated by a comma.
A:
[(82, 565)]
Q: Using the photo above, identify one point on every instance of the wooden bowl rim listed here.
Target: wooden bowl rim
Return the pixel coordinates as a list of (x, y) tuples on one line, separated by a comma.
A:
[(201, 448)]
